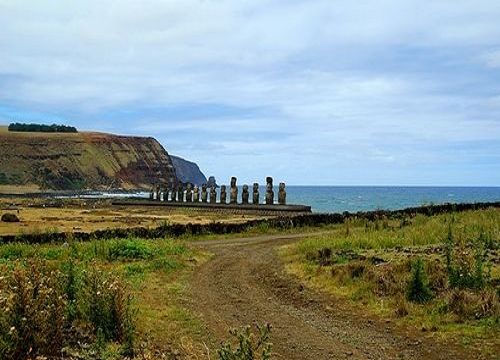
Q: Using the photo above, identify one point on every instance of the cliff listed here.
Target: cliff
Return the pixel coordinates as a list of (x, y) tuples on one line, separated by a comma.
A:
[(66, 161), (188, 171)]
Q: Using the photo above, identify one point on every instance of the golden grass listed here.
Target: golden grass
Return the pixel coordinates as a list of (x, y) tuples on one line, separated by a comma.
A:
[(91, 216)]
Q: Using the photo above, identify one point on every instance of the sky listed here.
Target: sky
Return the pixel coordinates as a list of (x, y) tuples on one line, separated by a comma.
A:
[(312, 92)]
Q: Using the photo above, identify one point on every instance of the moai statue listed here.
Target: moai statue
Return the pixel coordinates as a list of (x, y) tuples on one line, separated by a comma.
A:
[(213, 195), (282, 194), (189, 193), (166, 190), (180, 193), (196, 194), (269, 191), (245, 194), (223, 194), (152, 193), (234, 191), (255, 195), (172, 194), (158, 192), (204, 193), (162, 194)]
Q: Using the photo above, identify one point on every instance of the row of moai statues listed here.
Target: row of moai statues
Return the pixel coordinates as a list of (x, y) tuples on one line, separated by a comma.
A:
[(189, 193)]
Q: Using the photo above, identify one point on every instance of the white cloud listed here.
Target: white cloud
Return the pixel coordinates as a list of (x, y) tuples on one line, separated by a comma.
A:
[(334, 75)]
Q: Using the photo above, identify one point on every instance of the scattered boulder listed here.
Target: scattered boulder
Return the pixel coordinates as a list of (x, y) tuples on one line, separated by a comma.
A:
[(9, 217)]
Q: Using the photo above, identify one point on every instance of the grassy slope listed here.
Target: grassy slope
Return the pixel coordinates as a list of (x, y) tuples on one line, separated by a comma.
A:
[(369, 265), (82, 160)]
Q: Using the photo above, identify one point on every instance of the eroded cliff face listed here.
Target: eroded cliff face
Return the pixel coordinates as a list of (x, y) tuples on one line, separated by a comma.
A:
[(82, 161), (188, 171)]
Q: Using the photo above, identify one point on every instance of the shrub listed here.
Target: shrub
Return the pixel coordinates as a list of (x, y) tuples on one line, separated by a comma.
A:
[(356, 269), (106, 306), (45, 311), (466, 266), (387, 278), (129, 249), (401, 307), (250, 345), (324, 256), (469, 305), (418, 288), (32, 312)]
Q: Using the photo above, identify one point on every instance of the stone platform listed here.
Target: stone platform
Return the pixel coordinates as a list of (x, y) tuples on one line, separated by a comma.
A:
[(216, 206)]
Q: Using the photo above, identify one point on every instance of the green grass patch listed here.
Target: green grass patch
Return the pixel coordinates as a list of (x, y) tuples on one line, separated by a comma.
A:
[(453, 289)]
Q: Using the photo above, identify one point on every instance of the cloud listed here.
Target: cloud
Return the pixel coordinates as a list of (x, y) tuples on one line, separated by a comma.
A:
[(310, 89)]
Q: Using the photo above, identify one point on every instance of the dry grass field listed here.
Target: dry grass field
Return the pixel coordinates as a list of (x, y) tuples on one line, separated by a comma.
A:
[(42, 215)]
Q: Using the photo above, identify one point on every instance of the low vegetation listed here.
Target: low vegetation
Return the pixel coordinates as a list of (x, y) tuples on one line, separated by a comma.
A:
[(89, 300), (251, 345), (50, 310), (42, 128), (437, 273), (116, 298)]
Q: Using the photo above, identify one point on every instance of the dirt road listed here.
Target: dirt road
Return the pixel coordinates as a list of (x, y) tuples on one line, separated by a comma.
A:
[(245, 282)]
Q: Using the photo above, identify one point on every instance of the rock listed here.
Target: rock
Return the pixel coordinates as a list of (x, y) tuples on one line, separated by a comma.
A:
[(188, 171), (9, 217)]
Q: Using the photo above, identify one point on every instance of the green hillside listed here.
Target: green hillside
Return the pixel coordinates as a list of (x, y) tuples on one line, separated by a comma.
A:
[(73, 161)]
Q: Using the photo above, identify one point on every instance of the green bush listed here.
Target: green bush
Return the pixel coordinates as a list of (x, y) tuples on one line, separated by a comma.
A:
[(105, 304), (130, 249), (466, 262), (418, 288), (250, 345), (41, 128)]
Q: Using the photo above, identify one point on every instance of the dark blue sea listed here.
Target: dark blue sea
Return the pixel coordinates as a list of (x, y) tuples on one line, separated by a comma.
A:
[(362, 198)]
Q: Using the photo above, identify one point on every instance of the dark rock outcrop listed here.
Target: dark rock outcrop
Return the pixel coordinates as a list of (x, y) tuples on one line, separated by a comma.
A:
[(8, 217), (188, 171)]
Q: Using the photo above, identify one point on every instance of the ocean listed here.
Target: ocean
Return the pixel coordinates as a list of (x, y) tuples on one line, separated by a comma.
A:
[(365, 198)]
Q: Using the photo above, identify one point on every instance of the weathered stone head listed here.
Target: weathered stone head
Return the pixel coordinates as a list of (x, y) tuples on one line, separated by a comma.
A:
[(189, 192), (204, 195), (196, 193), (180, 192), (282, 194), (173, 194), (213, 195), (234, 191), (244, 195), (223, 194), (255, 197), (269, 182), (269, 191)]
